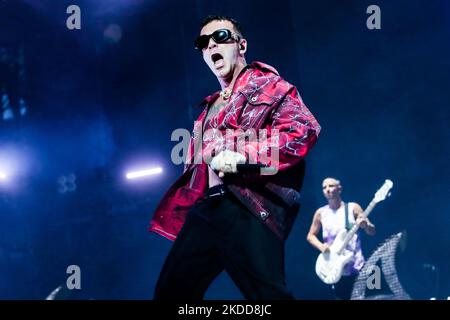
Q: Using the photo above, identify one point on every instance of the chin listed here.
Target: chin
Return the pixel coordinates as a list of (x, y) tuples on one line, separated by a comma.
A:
[(223, 73)]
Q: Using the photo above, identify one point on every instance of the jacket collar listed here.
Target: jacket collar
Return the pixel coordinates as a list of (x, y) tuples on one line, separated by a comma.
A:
[(255, 65)]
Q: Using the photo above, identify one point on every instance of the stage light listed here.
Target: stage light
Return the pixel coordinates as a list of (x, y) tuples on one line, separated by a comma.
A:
[(14, 164), (143, 173)]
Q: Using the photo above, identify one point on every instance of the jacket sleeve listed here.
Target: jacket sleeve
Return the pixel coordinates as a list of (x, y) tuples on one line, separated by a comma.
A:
[(291, 131)]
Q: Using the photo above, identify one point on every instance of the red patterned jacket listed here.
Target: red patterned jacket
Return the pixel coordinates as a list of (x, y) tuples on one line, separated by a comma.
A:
[(261, 99)]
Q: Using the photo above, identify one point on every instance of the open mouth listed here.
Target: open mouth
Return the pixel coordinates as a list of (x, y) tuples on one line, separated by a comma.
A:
[(217, 59)]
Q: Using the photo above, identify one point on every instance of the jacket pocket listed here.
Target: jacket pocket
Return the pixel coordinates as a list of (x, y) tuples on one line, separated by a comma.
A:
[(257, 98), (257, 107)]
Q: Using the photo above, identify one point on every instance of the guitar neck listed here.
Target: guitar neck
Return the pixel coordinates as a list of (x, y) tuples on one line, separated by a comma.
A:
[(380, 195), (355, 228), (370, 207)]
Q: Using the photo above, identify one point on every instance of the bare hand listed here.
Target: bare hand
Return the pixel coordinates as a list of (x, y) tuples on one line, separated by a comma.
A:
[(226, 162), (362, 222), (325, 248)]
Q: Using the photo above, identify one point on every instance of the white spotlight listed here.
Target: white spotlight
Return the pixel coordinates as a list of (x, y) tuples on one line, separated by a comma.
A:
[(143, 173), (3, 176)]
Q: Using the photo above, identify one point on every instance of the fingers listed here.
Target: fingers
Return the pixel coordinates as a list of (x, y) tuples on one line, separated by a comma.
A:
[(362, 222), (226, 161), (217, 162), (240, 158)]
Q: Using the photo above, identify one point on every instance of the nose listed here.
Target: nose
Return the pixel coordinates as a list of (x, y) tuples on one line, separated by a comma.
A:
[(211, 43)]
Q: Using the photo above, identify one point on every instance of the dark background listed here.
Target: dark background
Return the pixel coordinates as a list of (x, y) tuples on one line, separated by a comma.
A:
[(100, 102)]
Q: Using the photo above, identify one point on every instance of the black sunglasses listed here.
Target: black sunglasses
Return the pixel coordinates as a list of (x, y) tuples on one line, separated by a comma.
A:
[(219, 36)]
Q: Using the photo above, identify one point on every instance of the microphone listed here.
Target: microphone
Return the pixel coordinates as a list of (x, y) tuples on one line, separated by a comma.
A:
[(249, 166), (254, 167)]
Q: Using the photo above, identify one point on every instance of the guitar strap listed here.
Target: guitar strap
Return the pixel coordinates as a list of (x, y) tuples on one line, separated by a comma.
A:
[(347, 219)]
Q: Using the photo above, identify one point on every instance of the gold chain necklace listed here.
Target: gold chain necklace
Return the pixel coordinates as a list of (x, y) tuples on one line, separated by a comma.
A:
[(225, 93)]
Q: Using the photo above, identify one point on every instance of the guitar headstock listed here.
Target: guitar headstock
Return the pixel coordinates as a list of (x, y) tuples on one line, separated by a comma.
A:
[(383, 192)]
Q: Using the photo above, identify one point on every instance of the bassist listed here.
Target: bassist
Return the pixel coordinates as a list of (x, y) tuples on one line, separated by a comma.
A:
[(332, 218)]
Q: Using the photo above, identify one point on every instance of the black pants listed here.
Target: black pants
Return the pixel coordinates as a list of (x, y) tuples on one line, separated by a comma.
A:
[(220, 234), (343, 289)]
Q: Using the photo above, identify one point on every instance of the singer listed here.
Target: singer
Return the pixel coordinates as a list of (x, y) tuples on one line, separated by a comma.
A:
[(222, 216)]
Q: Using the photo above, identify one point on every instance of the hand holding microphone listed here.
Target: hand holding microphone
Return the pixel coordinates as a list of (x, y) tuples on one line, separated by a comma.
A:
[(232, 162), (227, 162)]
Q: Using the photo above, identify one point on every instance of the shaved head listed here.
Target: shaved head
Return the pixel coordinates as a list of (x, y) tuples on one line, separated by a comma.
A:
[(331, 188), (332, 181)]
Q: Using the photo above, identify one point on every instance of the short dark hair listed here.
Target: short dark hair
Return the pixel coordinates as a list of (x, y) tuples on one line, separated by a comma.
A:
[(236, 24)]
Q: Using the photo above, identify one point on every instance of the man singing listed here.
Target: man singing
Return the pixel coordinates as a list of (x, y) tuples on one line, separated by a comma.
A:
[(222, 216)]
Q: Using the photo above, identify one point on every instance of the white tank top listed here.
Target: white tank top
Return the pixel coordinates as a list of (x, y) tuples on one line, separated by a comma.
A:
[(333, 221)]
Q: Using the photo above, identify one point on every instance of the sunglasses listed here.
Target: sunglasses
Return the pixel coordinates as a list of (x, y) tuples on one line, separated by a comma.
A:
[(219, 36)]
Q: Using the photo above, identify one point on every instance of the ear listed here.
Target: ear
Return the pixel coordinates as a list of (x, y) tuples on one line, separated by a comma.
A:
[(242, 46)]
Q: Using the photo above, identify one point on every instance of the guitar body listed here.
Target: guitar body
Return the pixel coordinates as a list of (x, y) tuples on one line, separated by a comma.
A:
[(330, 265)]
